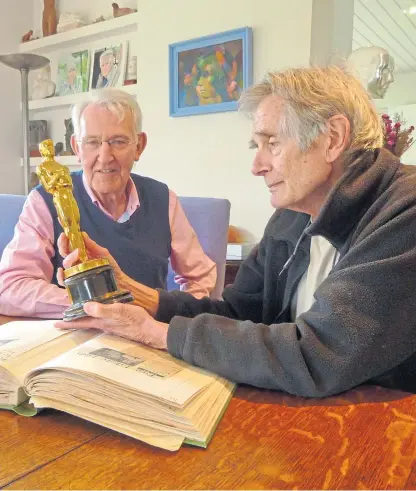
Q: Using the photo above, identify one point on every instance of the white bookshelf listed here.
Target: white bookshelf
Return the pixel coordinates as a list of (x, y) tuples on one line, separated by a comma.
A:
[(56, 109), (69, 100), (99, 30)]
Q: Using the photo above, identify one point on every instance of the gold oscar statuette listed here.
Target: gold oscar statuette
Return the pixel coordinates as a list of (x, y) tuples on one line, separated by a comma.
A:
[(90, 279)]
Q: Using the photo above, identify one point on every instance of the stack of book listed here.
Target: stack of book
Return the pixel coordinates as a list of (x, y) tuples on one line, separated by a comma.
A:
[(237, 252)]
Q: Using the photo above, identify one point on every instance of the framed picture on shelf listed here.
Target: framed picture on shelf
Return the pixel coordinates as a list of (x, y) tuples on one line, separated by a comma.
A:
[(73, 73), (208, 74), (109, 66)]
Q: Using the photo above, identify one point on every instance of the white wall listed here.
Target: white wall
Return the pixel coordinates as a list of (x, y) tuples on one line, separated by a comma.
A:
[(14, 22), (207, 155), (401, 92)]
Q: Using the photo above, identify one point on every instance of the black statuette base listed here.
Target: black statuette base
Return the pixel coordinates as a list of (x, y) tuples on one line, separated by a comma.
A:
[(96, 284)]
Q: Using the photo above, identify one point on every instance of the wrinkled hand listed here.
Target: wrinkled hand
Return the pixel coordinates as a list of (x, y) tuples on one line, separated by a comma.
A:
[(128, 321), (94, 251)]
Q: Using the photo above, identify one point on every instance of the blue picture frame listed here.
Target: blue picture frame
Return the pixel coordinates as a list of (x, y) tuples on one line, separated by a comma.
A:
[(207, 74)]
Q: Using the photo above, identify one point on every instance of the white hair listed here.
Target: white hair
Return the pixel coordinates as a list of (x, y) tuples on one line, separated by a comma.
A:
[(311, 96), (106, 54), (117, 101), (71, 65)]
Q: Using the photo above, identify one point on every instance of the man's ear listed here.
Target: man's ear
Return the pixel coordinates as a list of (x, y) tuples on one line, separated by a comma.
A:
[(140, 145), (75, 147), (339, 134)]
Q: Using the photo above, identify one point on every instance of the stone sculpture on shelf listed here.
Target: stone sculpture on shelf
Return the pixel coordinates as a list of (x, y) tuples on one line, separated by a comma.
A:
[(59, 148), (34, 180), (38, 131), (43, 86), (69, 130), (119, 11), (69, 21), (49, 19)]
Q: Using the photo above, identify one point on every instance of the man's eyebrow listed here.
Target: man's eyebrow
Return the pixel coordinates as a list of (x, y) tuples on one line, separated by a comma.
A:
[(120, 135), (267, 134)]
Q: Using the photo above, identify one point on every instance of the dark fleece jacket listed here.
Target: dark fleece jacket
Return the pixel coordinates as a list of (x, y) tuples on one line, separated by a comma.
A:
[(361, 326)]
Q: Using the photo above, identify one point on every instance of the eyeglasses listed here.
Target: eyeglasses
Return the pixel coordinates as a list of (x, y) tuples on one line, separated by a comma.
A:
[(116, 144)]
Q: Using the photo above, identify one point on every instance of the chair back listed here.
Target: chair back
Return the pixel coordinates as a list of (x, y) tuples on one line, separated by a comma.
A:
[(209, 217), (11, 206)]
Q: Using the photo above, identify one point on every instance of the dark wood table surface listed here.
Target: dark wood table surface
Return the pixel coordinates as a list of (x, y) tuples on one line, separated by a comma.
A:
[(362, 439)]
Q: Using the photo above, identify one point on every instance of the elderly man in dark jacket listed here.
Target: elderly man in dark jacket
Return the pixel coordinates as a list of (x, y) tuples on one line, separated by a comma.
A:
[(327, 300)]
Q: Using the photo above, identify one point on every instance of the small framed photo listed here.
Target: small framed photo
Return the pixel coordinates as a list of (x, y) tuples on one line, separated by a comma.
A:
[(73, 73), (109, 66), (208, 74)]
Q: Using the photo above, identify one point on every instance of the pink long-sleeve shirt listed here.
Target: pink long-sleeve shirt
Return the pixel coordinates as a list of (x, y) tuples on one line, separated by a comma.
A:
[(26, 269)]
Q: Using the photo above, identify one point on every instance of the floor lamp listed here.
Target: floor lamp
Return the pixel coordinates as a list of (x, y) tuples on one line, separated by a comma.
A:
[(24, 62)]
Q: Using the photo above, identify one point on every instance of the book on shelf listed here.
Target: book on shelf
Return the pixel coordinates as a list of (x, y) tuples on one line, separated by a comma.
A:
[(239, 251), (122, 385)]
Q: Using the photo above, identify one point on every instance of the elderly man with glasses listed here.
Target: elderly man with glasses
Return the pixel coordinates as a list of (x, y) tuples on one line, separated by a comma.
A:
[(138, 219)]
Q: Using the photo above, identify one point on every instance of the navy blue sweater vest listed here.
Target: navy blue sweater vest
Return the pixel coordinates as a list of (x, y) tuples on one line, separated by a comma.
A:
[(141, 246)]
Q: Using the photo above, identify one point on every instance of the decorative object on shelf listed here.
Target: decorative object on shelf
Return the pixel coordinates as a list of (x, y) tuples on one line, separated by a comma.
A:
[(69, 21), (27, 37), (207, 74), (43, 86), (131, 77), (119, 11), (397, 138), (34, 180), (99, 19), (69, 130), (109, 66), (38, 131), (49, 19), (73, 73), (59, 146), (24, 62), (374, 67), (89, 279), (235, 235)]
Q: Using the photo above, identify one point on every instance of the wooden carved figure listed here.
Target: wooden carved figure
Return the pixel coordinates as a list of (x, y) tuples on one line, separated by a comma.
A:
[(49, 20)]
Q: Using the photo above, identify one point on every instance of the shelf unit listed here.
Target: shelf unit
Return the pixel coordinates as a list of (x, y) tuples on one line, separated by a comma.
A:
[(99, 30), (69, 100), (51, 45)]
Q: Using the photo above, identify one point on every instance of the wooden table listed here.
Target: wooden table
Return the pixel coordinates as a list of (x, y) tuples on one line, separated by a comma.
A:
[(362, 439)]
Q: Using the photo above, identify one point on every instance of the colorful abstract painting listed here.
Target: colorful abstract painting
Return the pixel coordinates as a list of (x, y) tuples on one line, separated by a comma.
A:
[(208, 74)]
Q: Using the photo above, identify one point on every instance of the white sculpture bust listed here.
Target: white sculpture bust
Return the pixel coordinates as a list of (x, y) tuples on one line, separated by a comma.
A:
[(43, 86), (374, 67)]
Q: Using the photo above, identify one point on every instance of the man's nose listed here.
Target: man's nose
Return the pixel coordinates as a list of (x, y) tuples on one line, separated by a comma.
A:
[(105, 152), (261, 163)]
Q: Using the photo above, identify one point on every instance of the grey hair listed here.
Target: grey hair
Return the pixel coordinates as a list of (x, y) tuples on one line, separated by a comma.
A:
[(117, 101), (311, 97), (71, 65)]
